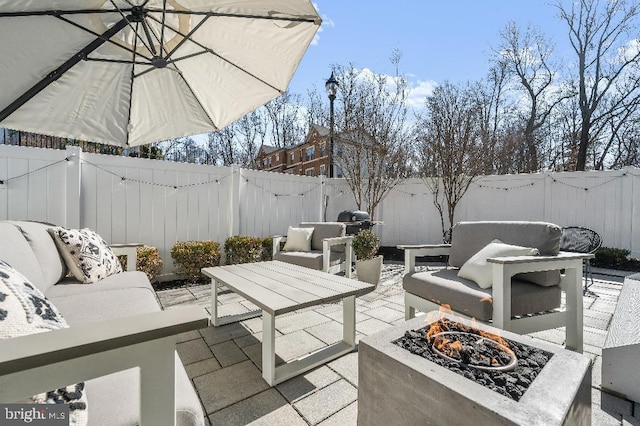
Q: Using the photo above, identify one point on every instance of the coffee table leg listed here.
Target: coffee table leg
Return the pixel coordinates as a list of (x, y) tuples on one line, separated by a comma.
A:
[(349, 320), (268, 348), (214, 302)]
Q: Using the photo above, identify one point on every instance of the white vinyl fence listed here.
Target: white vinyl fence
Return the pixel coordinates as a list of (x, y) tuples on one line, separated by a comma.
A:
[(161, 202)]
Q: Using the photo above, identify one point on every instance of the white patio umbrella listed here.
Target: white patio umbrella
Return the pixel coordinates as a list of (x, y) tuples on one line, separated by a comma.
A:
[(131, 72)]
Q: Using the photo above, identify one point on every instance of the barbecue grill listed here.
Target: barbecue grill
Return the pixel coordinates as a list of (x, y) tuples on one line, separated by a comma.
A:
[(356, 220)]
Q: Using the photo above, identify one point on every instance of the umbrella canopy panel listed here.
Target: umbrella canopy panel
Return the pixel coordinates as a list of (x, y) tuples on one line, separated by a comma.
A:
[(134, 72)]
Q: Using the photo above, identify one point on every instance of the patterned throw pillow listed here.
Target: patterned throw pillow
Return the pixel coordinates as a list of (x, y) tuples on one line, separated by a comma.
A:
[(25, 310), (86, 254)]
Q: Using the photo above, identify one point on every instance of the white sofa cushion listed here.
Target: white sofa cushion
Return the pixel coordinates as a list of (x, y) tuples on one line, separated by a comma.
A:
[(87, 255), (478, 270), (298, 239), (25, 310)]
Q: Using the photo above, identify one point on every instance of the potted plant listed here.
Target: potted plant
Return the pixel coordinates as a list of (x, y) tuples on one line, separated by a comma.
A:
[(368, 265)]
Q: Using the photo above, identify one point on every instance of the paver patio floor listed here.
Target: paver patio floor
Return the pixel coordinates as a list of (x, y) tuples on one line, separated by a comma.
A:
[(224, 362)]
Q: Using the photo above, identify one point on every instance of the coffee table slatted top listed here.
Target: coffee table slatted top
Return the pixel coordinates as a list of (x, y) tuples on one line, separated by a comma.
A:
[(279, 287)]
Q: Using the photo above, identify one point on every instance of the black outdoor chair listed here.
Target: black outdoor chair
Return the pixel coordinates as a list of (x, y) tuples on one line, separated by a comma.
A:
[(581, 240)]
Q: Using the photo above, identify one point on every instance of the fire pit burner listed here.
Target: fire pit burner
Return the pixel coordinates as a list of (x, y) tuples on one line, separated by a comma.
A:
[(473, 351)]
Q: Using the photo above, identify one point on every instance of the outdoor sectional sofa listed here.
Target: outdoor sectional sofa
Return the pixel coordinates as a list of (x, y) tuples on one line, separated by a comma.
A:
[(525, 288), (119, 341)]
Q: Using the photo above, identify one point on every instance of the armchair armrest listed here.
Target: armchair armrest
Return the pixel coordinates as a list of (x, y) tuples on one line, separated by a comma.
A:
[(37, 362), (277, 239), (347, 242), (411, 251), (571, 283), (130, 250)]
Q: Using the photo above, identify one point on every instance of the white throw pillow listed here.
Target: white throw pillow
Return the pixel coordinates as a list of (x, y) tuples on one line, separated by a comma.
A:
[(86, 254), (478, 270), (25, 310), (298, 239)]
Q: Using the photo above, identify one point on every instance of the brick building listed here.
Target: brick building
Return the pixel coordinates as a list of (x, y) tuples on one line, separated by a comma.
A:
[(310, 158)]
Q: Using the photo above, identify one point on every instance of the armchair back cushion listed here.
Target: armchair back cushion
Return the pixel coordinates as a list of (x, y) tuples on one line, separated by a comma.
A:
[(322, 230), (468, 238)]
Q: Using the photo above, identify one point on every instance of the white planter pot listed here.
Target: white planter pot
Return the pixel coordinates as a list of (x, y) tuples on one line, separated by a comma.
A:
[(369, 270)]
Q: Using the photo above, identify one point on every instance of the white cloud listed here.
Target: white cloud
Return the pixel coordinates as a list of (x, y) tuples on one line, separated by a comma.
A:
[(420, 91), (326, 22), (630, 50)]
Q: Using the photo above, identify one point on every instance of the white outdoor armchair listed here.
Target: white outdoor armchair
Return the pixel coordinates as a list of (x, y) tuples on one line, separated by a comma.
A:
[(515, 302), (331, 250)]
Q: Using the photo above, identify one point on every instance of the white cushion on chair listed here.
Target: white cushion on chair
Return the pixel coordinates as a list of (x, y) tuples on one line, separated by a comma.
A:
[(478, 270), (298, 239)]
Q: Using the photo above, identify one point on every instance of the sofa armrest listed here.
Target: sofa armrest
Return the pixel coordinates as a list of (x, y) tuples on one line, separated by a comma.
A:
[(411, 251), (130, 250), (34, 363)]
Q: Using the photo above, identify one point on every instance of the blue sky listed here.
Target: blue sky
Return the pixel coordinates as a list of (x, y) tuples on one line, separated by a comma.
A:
[(439, 39)]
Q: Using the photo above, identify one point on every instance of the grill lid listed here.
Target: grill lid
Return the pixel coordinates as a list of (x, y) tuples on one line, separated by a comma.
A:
[(353, 216)]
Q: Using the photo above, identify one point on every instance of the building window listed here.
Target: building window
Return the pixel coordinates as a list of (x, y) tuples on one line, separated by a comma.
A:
[(310, 152), (323, 148), (264, 162), (269, 162), (323, 169), (293, 157), (310, 172), (277, 158)]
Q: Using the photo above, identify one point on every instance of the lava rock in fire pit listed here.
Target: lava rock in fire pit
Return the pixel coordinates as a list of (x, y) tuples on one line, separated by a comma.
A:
[(512, 384)]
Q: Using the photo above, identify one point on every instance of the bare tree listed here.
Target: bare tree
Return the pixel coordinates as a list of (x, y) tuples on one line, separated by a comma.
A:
[(527, 57), (600, 36), (448, 144), (287, 123), (239, 142), (371, 133)]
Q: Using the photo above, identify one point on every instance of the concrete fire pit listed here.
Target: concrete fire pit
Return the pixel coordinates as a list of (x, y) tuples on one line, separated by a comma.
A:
[(396, 386)]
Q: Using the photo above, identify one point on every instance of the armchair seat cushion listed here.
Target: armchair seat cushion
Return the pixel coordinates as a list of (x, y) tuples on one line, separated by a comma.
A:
[(445, 287), (308, 259)]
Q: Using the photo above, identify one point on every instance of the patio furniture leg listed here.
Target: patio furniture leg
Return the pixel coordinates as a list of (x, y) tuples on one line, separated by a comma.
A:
[(574, 339), (268, 348), (349, 320), (227, 319), (214, 302), (157, 384)]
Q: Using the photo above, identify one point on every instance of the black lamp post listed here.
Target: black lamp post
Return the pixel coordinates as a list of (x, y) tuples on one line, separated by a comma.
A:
[(332, 88)]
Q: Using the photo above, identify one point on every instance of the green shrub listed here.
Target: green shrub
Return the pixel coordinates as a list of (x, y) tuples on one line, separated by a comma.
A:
[(267, 248), (191, 256), (243, 249), (615, 258), (365, 244), (607, 257), (148, 260)]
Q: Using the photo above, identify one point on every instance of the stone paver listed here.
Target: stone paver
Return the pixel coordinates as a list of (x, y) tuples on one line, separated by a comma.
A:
[(322, 404), (304, 385), (267, 408), (228, 353), (225, 362), (227, 386), (193, 351)]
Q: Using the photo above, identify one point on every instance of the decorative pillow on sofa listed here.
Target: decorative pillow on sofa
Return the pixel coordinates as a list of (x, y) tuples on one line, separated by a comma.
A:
[(86, 254), (25, 310), (298, 239), (477, 268)]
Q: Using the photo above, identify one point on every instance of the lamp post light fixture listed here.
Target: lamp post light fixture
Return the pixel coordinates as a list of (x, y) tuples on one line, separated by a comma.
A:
[(332, 88)]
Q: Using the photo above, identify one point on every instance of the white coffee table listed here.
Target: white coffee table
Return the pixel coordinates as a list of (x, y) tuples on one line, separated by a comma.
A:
[(277, 288)]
